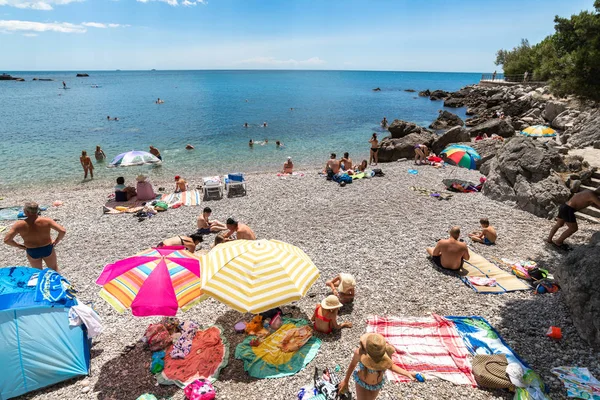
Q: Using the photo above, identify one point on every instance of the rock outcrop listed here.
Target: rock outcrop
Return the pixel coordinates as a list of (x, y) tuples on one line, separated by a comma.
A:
[(487, 149), (585, 131), (410, 90), (578, 276), (393, 149), (399, 128), (500, 127), (446, 120), (438, 95), (523, 172), (377, 89), (454, 135), (454, 102), (553, 108), (425, 93), (82, 75)]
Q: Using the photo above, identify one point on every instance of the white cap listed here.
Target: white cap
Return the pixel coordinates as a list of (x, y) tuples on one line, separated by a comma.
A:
[(515, 373), (289, 158)]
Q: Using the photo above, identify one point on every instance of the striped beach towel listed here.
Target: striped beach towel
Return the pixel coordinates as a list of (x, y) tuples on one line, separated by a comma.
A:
[(188, 198), (431, 346)]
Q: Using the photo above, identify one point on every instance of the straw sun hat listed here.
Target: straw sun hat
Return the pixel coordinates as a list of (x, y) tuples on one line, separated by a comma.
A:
[(375, 352), (347, 282), (331, 302), (141, 178)]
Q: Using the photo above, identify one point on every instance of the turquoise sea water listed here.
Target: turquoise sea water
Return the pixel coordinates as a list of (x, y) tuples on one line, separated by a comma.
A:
[(44, 128)]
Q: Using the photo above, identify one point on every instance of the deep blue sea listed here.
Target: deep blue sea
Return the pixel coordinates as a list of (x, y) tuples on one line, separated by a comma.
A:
[(43, 128)]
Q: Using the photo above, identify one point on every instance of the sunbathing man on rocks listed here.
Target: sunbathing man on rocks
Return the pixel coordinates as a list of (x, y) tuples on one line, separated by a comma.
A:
[(450, 253)]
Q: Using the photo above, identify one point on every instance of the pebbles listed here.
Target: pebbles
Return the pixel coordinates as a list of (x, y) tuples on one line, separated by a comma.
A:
[(376, 229)]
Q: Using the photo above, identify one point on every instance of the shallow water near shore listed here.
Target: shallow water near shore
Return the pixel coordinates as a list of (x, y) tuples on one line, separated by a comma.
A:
[(44, 128)]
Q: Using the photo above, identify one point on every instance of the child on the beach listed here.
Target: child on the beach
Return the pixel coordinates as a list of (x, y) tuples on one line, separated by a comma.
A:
[(343, 287), (487, 235), (325, 316)]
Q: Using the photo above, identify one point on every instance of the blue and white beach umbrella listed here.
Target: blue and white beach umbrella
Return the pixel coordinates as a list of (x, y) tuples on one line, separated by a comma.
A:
[(132, 158)]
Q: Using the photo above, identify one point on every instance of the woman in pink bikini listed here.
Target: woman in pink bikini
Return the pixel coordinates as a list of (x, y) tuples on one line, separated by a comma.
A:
[(325, 316)]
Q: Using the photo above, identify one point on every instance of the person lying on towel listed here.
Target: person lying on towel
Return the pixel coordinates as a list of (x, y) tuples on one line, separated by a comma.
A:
[(450, 253), (487, 235)]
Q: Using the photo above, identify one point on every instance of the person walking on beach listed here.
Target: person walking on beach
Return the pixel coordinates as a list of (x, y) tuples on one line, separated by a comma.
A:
[(450, 253), (374, 149), (154, 151), (86, 163), (37, 240), (100, 156), (566, 215), (241, 231)]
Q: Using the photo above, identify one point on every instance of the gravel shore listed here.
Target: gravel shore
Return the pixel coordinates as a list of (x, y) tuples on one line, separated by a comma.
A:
[(375, 229)]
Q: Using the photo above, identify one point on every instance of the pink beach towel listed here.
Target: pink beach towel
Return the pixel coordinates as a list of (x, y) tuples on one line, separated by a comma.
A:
[(428, 345)]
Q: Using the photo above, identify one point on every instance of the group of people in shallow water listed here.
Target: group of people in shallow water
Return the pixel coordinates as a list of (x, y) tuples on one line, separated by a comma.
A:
[(265, 142)]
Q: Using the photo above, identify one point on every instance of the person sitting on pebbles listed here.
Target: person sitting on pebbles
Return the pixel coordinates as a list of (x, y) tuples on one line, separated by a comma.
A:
[(450, 253), (487, 235), (369, 362), (288, 166), (343, 287), (325, 316), (180, 184)]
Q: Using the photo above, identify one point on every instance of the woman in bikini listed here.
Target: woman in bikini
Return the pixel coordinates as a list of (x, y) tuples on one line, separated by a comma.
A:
[(86, 163), (374, 149), (421, 154), (325, 316), (369, 363), (190, 242)]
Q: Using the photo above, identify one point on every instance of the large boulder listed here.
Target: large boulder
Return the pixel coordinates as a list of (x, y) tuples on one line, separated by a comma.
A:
[(517, 107), (523, 172), (553, 108), (565, 119), (585, 131), (425, 93), (578, 276), (393, 149), (500, 127), (454, 135), (446, 120), (438, 95), (400, 128), (487, 149), (453, 102)]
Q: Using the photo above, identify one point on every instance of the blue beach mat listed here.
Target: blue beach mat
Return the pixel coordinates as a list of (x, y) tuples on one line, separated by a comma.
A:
[(14, 213)]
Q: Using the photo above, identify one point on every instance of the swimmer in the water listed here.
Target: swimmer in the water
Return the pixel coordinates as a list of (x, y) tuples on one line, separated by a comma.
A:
[(108, 117), (159, 101), (266, 141), (291, 108), (116, 119), (64, 84), (278, 144), (251, 143), (245, 124), (264, 124), (189, 147)]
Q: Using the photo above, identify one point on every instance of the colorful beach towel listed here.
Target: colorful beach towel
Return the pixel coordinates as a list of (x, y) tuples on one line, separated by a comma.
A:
[(292, 175), (479, 267), (579, 382), (268, 360), (208, 355), (14, 213), (187, 198), (481, 338), (430, 346)]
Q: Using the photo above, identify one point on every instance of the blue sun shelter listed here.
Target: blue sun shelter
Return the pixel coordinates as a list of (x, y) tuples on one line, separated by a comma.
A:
[(38, 348)]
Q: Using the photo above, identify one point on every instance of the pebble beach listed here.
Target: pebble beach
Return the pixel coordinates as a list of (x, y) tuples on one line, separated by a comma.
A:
[(376, 229)]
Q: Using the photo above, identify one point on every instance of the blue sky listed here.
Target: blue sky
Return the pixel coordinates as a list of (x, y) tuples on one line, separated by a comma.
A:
[(419, 35)]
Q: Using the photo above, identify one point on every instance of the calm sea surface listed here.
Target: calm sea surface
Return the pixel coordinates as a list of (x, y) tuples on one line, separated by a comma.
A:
[(44, 128)]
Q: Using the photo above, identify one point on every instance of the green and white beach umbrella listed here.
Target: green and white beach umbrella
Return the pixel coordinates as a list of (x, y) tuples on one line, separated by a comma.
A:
[(132, 158)]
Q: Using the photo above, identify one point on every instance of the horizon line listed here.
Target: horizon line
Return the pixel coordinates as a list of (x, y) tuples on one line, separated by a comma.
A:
[(237, 69)]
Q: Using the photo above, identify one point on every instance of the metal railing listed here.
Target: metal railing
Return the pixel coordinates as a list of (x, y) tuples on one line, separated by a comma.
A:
[(506, 78)]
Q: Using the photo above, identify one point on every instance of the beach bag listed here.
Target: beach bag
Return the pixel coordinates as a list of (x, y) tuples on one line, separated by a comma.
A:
[(200, 389), (329, 174), (161, 206), (157, 337), (538, 274), (490, 371), (378, 172)]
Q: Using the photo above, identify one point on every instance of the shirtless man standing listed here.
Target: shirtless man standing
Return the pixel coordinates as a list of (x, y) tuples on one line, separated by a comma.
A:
[(37, 241), (333, 164), (205, 226), (242, 231), (566, 215), (450, 253)]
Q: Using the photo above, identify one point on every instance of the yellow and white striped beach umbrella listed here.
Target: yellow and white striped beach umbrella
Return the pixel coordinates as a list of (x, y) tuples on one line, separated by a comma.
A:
[(257, 275)]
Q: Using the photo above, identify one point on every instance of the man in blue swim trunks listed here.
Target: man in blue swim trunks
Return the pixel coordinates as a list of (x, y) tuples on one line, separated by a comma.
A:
[(37, 240), (206, 227)]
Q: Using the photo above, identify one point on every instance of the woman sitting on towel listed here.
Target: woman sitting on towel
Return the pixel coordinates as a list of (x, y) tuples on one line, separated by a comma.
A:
[(369, 363), (144, 188), (190, 242), (325, 315)]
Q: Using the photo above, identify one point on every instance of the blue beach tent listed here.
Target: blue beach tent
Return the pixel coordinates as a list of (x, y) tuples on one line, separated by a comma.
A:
[(38, 348)]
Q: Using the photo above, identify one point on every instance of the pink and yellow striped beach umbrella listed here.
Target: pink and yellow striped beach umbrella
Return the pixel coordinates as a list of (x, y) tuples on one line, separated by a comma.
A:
[(157, 281)]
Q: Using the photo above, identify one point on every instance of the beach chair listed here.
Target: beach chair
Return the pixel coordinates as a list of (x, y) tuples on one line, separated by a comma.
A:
[(235, 184), (212, 186)]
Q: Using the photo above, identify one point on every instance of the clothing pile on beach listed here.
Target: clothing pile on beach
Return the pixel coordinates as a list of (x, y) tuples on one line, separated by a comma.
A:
[(184, 353), (460, 186), (343, 178)]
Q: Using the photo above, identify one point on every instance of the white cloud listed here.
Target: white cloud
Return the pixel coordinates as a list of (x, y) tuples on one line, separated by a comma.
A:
[(62, 27), (272, 61), (44, 5), (9, 26), (30, 34), (175, 3)]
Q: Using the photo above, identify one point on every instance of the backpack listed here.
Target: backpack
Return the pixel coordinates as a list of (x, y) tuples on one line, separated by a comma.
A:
[(378, 172), (161, 206), (157, 337)]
